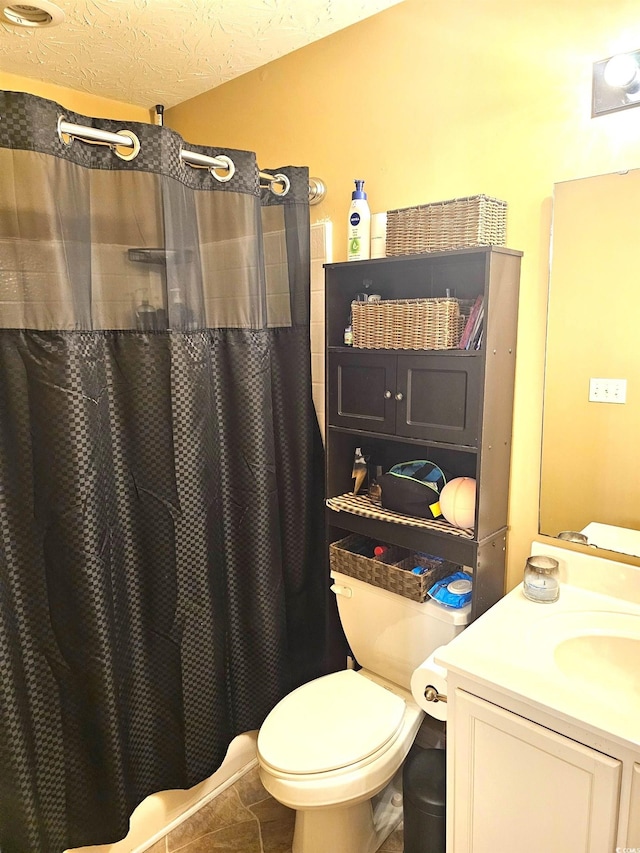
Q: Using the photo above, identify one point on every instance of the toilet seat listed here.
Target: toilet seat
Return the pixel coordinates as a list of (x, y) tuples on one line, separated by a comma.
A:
[(333, 722)]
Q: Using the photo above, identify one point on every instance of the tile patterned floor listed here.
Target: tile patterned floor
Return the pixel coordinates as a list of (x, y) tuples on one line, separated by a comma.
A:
[(243, 819)]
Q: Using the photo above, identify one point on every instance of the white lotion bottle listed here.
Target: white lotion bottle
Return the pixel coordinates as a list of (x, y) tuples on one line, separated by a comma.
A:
[(359, 225)]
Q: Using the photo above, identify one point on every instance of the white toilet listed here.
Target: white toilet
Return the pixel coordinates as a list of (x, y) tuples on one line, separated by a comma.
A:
[(329, 747)]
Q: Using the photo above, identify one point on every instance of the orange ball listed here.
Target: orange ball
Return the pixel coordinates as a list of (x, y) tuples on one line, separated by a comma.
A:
[(458, 502)]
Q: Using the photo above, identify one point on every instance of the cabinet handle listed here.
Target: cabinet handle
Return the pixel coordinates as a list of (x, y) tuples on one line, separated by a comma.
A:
[(388, 395), (399, 396)]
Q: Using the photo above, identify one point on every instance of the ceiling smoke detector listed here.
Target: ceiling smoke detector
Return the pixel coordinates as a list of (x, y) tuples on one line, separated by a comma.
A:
[(33, 16)]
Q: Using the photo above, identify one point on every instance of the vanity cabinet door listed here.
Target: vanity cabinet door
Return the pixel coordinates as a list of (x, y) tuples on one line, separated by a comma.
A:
[(633, 833), (518, 786)]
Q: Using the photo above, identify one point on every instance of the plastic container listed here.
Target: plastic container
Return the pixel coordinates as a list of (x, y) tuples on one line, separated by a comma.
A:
[(424, 797), (146, 320), (180, 316), (359, 225)]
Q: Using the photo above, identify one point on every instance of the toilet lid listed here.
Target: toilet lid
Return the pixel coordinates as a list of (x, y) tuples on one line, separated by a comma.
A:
[(328, 723)]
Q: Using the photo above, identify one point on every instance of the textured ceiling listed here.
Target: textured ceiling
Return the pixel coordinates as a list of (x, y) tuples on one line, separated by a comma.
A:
[(148, 52)]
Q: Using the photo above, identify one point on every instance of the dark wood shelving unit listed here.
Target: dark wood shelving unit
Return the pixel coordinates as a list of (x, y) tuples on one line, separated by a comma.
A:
[(453, 407)]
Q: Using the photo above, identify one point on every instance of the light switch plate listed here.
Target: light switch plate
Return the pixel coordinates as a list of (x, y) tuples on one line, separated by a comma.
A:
[(607, 390)]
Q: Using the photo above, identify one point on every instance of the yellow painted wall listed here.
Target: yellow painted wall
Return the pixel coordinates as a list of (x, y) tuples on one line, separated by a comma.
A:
[(433, 100), (79, 102)]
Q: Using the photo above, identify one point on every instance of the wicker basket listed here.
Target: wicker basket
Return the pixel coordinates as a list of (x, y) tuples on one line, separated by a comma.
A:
[(407, 324), (459, 223), (390, 571)]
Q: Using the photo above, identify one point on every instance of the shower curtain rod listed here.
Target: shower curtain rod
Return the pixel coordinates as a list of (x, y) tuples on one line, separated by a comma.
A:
[(127, 139)]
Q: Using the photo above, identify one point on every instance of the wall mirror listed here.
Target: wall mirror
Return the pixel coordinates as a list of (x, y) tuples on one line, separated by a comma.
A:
[(590, 473)]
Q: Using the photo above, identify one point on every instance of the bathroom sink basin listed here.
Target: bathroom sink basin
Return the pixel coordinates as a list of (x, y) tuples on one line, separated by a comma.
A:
[(577, 657), (600, 652)]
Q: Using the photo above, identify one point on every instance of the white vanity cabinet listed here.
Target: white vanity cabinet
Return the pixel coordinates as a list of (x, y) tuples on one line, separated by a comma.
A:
[(543, 717), (520, 780), (519, 786)]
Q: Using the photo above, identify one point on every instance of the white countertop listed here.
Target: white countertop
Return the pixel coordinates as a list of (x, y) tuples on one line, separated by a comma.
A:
[(513, 646), (621, 539)]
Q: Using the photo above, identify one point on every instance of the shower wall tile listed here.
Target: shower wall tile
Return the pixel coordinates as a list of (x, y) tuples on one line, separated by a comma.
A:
[(278, 295), (113, 315), (12, 315), (274, 247), (235, 254), (37, 273), (49, 315), (8, 253), (234, 287), (43, 287), (321, 253), (317, 305), (278, 310), (317, 367), (114, 259), (230, 266), (316, 334), (10, 285), (229, 281), (31, 255), (232, 312), (277, 278), (321, 241), (317, 275)]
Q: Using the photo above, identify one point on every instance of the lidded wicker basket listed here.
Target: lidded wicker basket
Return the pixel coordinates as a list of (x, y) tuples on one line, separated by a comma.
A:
[(455, 224)]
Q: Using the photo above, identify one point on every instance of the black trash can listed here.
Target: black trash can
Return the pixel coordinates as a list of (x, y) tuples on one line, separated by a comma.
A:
[(424, 792)]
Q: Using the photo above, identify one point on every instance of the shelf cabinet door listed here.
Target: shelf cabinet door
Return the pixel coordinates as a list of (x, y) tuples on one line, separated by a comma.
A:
[(439, 398), (518, 786), (362, 391)]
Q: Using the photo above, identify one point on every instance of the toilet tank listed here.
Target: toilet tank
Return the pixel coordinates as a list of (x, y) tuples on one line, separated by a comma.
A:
[(390, 635)]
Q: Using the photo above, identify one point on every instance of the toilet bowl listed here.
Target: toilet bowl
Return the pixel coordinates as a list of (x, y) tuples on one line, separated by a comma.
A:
[(328, 748), (333, 748)]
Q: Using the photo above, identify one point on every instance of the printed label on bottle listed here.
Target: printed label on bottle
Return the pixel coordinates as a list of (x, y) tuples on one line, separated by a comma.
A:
[(354, 219), (354, 246)]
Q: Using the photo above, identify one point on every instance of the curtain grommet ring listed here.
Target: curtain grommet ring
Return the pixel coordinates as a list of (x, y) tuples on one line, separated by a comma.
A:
[(67, 132), (279, 178), (228, 164), (65, 138), (128, 154)]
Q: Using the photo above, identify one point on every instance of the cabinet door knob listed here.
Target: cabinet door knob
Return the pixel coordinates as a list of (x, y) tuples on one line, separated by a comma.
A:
[(399, 396), (388, 395)]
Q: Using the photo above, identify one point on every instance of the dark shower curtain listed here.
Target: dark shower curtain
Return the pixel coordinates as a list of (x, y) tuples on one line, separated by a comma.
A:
[(162, 580)]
